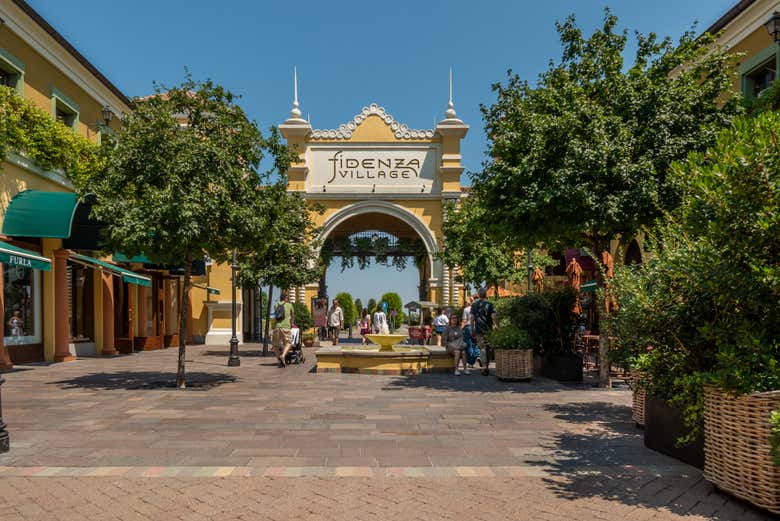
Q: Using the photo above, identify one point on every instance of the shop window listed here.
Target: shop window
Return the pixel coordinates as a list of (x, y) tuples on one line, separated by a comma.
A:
[(82, 309), (11, 72), (22, 320), (64, 109)]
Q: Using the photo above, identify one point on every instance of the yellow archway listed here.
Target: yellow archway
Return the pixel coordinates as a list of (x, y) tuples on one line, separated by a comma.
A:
[(376, 165)]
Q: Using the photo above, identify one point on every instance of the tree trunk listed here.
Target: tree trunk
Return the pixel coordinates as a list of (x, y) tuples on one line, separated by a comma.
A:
[(604, 381), (267, 322), (183, 318), (258, 313)]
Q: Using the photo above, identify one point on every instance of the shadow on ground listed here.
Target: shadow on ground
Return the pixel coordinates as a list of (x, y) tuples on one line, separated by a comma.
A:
[(475, 382), (135, 380), (603, 455)]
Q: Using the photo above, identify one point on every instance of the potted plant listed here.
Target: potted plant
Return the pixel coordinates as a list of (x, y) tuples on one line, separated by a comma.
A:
[(513, 353), (308, 339), (305, 322)]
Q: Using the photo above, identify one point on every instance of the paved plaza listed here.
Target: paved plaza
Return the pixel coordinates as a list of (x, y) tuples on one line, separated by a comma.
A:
[(110, 439)]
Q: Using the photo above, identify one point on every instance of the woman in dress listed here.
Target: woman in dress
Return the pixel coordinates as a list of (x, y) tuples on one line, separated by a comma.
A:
[(380, 321), (455, 343), (365, 325)]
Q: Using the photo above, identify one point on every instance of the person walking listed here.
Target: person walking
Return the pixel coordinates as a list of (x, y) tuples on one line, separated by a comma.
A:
[(472, 351), (284, 317), (483, 318), (365, 325), (380, 321), (439, 324), (335, 321), (455, 343)]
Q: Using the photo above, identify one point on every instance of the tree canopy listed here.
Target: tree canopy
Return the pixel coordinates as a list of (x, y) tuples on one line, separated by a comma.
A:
[(283, 255), (584, 155), (181, 180), (481, 258)]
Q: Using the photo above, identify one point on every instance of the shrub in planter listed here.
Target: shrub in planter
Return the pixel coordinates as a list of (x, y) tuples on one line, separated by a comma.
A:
[(707, 302), (303, 318), (513, 352)]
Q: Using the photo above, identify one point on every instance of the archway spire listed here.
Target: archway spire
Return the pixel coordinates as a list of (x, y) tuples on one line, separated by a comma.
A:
[(450, 112), (295, 113)]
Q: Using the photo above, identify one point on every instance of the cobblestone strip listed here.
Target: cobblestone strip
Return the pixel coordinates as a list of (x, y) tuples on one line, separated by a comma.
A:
[(515, 471)]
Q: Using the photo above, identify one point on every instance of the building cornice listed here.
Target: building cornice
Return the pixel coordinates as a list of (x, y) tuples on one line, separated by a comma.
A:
[(742, 22)]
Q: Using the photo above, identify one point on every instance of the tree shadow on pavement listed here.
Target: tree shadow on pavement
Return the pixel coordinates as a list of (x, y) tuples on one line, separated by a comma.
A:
[(475, 382), (135, 380), (602, 455)]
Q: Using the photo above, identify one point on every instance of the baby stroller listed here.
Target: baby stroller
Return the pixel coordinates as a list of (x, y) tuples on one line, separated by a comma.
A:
[(295, 355)]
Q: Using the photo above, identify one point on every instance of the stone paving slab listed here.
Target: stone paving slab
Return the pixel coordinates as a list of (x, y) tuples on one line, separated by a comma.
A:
[(110, 439)]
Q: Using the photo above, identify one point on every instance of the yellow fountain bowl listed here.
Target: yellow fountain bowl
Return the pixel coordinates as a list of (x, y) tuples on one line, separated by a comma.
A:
[(386, 340)]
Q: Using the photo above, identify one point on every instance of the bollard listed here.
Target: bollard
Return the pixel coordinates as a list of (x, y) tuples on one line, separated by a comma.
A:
[(4, 441)]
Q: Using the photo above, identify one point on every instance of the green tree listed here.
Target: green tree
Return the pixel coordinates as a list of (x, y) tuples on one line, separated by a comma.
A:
[(394, 303), (358, 307), (707, 301), (179, 181), (371, 306), (482, 259), (584, 156), (281, 253), (348, 306)]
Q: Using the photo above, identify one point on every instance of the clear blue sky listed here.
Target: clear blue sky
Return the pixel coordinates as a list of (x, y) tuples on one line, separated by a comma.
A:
[(349, 54)]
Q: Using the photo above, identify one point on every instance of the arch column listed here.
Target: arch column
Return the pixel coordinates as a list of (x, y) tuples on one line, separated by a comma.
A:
[(445, 290)]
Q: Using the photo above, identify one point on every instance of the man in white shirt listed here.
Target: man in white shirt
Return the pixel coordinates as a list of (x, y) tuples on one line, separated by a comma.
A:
[(335, 321)]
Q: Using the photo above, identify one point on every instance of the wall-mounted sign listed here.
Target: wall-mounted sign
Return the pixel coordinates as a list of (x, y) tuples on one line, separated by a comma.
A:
[(372, 169)]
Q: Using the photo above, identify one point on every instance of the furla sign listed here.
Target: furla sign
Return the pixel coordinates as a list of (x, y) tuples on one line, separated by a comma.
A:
[(388, 169)]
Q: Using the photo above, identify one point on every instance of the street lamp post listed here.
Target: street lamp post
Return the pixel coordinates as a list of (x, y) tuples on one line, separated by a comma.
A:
[(4, 441), (530, 271), (234, 360)]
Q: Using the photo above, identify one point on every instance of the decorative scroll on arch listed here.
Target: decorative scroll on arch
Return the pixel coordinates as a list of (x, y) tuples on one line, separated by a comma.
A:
[(400, 130)]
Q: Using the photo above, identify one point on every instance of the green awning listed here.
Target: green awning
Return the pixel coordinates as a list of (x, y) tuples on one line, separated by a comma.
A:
[(33, 213), (589, 286), (127, 275), (15, 256), (141, 259)]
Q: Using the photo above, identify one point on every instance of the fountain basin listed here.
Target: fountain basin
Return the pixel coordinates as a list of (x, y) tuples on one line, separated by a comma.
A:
[(399, 360), (385, 342)]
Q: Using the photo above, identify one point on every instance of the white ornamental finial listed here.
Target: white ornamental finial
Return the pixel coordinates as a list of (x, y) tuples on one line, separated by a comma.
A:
[(295, 112), (450, 112)]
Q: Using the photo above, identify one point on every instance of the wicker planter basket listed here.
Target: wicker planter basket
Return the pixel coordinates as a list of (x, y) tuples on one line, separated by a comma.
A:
[(737, 455), (639, 397), (514, 364)]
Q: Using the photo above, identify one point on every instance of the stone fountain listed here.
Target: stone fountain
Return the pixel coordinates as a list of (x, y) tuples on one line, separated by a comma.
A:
[(388, 356)]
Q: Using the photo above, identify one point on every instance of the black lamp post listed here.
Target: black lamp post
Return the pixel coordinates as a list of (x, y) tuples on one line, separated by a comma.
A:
[(4, 441), (530, 271), (773, 27), (234, 360)]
